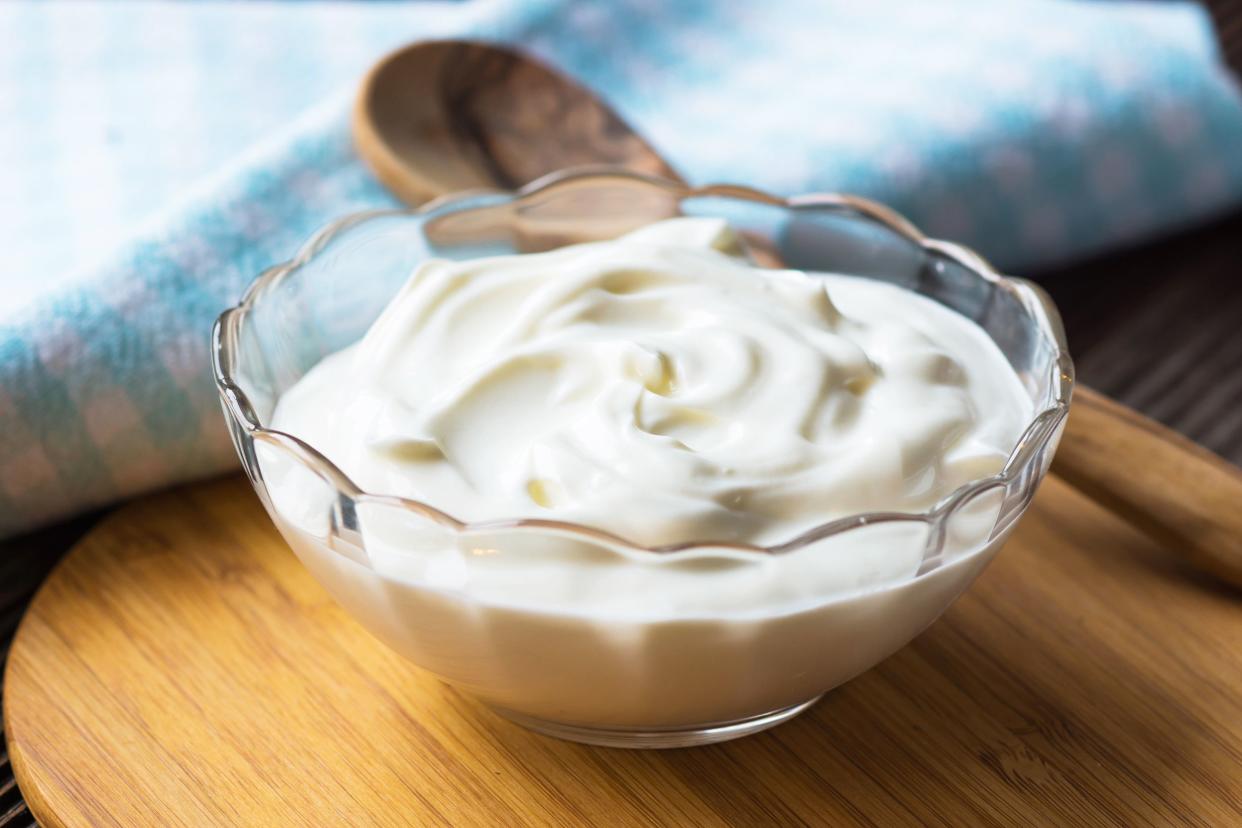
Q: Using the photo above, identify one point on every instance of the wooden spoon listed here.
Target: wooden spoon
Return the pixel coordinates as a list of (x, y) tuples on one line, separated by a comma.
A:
[(443, 116), (1174, 490)]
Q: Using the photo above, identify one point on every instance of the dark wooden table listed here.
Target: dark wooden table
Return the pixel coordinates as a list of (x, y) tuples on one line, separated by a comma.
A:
[(1160, 328)]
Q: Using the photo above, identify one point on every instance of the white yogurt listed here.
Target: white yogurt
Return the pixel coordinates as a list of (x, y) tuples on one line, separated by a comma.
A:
[(660, 388)]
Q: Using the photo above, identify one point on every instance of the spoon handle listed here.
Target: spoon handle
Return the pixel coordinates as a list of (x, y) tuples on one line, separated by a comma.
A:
[(1177, 492)]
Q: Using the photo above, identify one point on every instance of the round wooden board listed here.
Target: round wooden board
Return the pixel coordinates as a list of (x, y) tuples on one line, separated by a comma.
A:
[(181, 668)]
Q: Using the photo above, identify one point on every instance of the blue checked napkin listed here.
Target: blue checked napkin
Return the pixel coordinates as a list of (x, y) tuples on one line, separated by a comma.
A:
[(157, 156)]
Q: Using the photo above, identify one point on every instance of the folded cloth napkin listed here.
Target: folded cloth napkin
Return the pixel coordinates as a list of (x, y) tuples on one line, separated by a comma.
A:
[(1034, 131)]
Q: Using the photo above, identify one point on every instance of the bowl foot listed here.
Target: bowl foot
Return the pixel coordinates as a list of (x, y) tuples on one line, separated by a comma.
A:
[(662, 737)]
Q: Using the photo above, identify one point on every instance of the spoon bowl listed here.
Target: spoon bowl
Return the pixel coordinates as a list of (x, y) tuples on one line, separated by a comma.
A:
[(444, 116)]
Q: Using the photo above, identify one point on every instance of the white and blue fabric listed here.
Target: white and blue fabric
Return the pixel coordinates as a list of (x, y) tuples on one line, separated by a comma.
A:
[(157, 156)]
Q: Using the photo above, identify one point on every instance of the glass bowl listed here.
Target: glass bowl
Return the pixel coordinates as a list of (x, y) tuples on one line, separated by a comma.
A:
[(628, 672)]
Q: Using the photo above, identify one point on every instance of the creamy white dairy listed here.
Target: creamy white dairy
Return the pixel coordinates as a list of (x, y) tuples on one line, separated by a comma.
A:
[(662, 389)]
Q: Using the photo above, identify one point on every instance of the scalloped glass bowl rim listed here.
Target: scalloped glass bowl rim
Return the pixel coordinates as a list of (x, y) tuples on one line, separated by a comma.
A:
[(1037, 433)]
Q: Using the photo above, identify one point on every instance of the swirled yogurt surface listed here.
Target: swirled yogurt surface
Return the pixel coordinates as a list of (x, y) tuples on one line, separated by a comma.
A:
[(662, 388)]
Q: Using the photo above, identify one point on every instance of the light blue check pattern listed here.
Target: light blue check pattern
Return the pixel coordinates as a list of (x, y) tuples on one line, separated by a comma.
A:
[(157, 156)]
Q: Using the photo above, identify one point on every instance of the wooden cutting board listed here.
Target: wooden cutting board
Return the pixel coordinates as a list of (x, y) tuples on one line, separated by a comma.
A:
[(181, 668)]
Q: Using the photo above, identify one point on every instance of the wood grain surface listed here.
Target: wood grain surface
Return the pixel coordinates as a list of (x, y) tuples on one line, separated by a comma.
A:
[(181, 668)]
